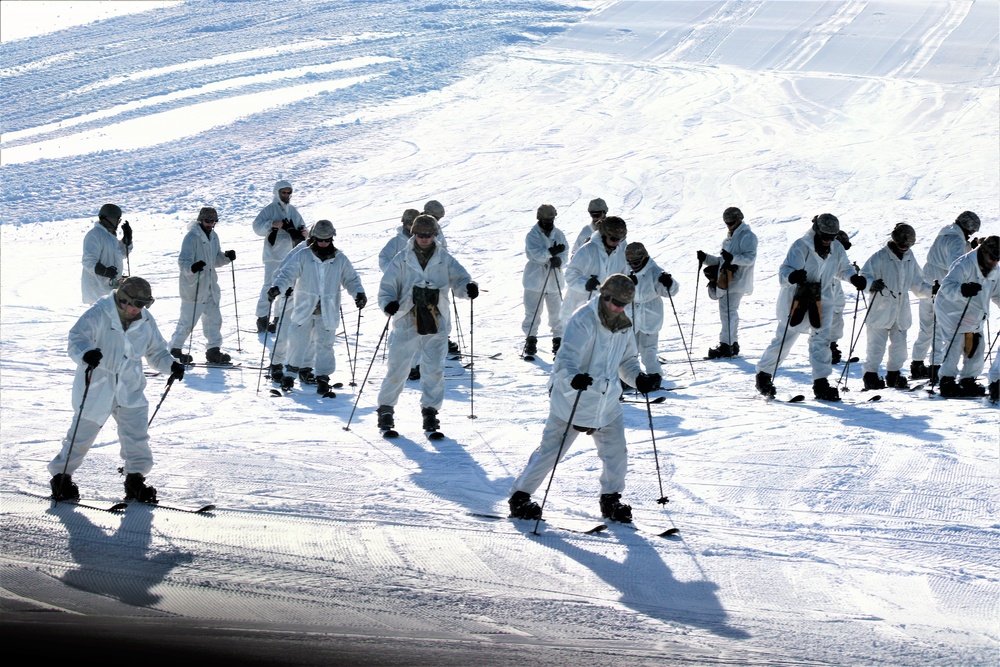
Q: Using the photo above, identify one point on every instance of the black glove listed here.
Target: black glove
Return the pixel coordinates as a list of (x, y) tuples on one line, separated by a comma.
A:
[(859, 281), (702, 256), (555, 262), (666, 280), (935, 288), (974, 242), (105, 271), (273, 293), (297, 236), (93, 357), (126, 233), (844, 240), (472, 289), (197, 267), (970, 289), (797, 277), (592, 284), (273, 236), (557, 249), (288, 292), (634, 278), (581, 381), (878, 285), (287, 225), (230, 254), (727, 256), (392, 308), (647, 383), (360, 300), (177, 370)]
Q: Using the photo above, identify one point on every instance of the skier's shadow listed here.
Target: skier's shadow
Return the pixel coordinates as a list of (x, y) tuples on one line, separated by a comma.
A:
[(649, 587), (117, 565)]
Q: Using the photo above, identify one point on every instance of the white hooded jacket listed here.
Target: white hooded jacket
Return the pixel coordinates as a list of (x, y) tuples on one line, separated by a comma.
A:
[(119, 376), (802, 255), (891, 308), (262, 225), (443, 272), (949, 303), (948, 246), (591, 260), (742, 245), (100, 245), (536, 272), (197, 247), (317, 281)]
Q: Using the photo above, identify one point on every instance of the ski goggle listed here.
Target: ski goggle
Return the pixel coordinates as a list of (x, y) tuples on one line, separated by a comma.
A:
[(424, 236), (613, 239), (826, 237), (135, 302), (597, 214), (616, 302)]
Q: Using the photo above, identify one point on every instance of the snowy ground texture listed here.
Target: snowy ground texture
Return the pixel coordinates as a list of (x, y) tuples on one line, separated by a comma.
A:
[(852, 533)]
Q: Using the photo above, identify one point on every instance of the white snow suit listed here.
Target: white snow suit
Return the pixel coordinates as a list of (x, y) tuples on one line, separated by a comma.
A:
[(116, 386), (948, 246), (741, 243), (591, 260), (101, 246), (313, 317), (397, 244), (646, 312), (583, 237), (827, 272), (274, 253), (444, 274), (953, 326), (889, 317), (541, 282), (608, 357), (199, 247)]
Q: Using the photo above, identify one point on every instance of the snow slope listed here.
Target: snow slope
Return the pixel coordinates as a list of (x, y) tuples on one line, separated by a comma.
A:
[(853, 533)]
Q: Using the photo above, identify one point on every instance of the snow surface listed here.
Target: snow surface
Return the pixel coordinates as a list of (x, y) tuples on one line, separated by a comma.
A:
[(852, 533)]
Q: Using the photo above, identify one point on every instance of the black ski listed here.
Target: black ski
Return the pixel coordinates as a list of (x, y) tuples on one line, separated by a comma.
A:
[(390, 433), (798, 398), (204, 509), (642, 528), (528, 357), (434, 435), (457, 357), (583, 526), (208, 365), (115, 508)]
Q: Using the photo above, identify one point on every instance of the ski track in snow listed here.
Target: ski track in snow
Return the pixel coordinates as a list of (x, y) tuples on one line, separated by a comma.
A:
[(810, 533)]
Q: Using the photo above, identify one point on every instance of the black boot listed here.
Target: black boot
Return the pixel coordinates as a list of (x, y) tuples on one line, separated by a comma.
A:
[(185, 359), (276, 372), (612, 508), (969, 387), (721, 352), (894, 380), (63, 488), (873, 381), (556, 344), (273, 326), (835, 355), (215, 356), (824, 392), (415, 373), (288, 379), (764, 384), (323, 385), (948, 387), (735, 348), (995, 391), (262, 324), (431, 422), (919, 370), (137, 489), (933, 373), (523, 507), (453, 347), (531, 346), (385, 418), (306, 375)]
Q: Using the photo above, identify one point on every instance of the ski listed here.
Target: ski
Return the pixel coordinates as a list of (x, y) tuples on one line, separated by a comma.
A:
[(390, 433), (582, 526), (798, 398), (151, 374), (643, 528), (658, 399), (528, 357), (457, 357), (204, 509), (114, 508), (434, 435), (208, 365)]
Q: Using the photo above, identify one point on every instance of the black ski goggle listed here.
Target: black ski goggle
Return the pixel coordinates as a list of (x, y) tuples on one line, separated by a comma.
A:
[(596, 214), (135, 302), (424, 236), (827, 237), (616, 302)]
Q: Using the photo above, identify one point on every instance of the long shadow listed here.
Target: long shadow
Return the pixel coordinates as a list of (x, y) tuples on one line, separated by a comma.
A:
[(649, 587), (117, 565)]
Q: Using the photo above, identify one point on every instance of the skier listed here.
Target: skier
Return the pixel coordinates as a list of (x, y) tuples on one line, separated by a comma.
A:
[(545, 248), (951, 243), (808, 276), (414, 292), (651, 284), (316, 271), (839, 303), (891, 272), (434, 208), (598, 258), (397, 242), (108, 343), (597, 354), (102, 260), (733, 277), (598, 210), (962, 305), (199, 288), (283, 228)]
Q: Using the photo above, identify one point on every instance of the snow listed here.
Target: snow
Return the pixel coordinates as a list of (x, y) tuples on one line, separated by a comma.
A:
[(852, 533)]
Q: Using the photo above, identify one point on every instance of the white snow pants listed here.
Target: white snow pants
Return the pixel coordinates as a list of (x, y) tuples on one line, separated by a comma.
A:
[(404, 345), (924, 336), (262, 304), (611, 449), (132, 434), (533, 303), (971, 366), (820, 355), (877, 339), (729, 316), (994, 373), (310, 345), (648, 343), (211, 323)]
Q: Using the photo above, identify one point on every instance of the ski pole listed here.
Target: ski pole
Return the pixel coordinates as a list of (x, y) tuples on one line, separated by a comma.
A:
[(569, 423), (374, 356), (357, 335), (236, 307), (681, 332), (281, 324), (472, 362), (170, 382), (537, 309), (347, 344), (694, 311), (957, 327), (264, 350), (458, 324), (781, 346), (932, 373), (194, 312), (76, 427), (729, 324), (854, 341), (850, 352), (656, 457)]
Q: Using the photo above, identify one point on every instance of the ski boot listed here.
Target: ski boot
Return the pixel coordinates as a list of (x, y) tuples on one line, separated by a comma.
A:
[(764, 384), (215, 356), (735, 348), (612, 508), (137, 489), (873, 381), (273, 326), (431, 422), (523, 507), (530, 346), (276, 372), (288, 382), (948, 388), (385, 418), (994, 391), (835, 355), (323, 386), (262, 324), (185, 359), (556, 344), (919, 370), (721, 352), (933, 373), (824, 392), (969, 387), (414, 373), (894, 380), (453, 347), (306, 375), (63, 488)]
